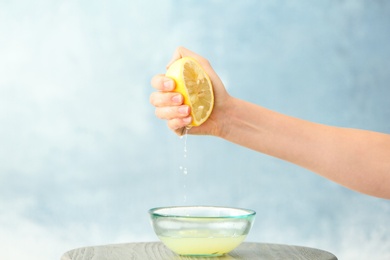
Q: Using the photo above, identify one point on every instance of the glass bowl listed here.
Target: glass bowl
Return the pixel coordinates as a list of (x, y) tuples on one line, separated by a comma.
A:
[(201, 230)]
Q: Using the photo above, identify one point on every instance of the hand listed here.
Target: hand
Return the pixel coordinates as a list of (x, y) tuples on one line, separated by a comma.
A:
[(169, 104)]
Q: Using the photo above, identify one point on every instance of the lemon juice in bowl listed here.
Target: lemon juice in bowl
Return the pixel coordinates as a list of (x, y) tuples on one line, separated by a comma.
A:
[(201, 230), (195, 242)]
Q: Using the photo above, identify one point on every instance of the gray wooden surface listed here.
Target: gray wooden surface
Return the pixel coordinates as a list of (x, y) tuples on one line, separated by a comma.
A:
[(156, 250)]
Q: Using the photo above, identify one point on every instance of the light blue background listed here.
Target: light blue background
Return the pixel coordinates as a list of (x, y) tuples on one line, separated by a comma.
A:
[(82, 156)]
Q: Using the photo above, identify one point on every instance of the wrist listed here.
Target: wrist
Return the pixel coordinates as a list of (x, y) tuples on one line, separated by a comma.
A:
[(225, 115)]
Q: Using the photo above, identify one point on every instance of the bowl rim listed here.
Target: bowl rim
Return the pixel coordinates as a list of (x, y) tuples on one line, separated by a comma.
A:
[(249, 212)]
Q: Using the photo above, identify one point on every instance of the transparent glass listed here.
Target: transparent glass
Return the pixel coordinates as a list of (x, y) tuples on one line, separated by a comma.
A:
[(201, 230)]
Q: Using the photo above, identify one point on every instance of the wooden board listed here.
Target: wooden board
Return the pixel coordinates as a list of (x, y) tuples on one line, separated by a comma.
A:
[(156, 250)]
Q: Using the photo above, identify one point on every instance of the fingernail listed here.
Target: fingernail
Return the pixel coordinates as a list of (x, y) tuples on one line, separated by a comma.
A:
[(177, 99), (168, 84), (187, 120), (184, 110)]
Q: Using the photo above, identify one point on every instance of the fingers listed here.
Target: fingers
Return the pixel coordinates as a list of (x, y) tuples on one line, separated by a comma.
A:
[(183, 130), (169, 105), (178, 123), (162, 83), (172, 112), (160, 99)]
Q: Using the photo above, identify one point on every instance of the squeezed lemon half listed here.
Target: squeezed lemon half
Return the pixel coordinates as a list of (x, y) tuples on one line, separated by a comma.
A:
[(195, 86)]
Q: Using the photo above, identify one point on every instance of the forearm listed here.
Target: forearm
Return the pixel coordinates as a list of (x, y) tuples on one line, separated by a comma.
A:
[(357, 159)]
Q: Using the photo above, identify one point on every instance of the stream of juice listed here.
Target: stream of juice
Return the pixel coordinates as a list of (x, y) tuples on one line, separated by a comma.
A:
[(183, 168)]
